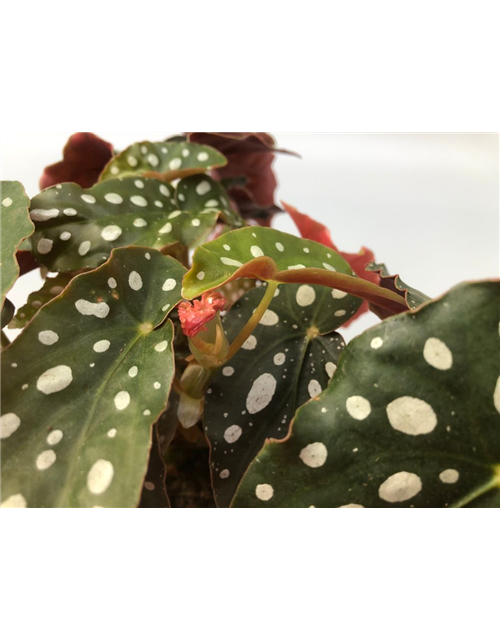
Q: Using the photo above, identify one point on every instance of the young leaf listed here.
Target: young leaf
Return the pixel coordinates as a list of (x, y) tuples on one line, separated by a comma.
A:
[(51, 288), (163, 160), (410, 419), (77, 228), (85, 381), (15, 227), (271, 255), (288, 359), (412, 297)]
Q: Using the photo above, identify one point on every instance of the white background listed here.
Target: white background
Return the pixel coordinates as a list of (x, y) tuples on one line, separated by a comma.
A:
[(427, 205)]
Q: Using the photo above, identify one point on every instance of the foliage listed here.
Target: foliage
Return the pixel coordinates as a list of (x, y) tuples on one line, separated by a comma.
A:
[(146, 375)]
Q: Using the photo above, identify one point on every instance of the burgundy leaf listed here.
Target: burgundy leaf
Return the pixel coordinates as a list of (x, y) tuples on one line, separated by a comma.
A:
[(84, 157)]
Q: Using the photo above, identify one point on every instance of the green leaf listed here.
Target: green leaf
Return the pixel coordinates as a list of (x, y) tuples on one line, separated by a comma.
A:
[(271, 255), (77, 228), (289, 358), (154, 493), (51, 288), (164, 160), (413, 297), (85, 381), (15, 227), (410, 419)]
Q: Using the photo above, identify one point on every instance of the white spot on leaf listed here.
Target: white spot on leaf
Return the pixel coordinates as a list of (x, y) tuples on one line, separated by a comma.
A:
[(86, 308), (314, 455), (437, 354), (100, 476), (358, 407), (261, 393), (101, 346), (400, 487), (264, 492), (305, 295), (232, 433), (411, 416), (9, 423), (55, 379), (122, 400), (48, 337)]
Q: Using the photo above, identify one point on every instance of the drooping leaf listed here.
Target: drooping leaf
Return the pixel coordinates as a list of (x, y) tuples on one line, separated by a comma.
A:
[(15, 227), (314, 230), (412, 297), (288, 359), (163, 160), (84, 157), (77, 228), (271, 255), (410, 419), (85, 381), (51, 288)]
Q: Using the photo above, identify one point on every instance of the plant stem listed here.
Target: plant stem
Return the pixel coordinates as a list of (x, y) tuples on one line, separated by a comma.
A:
[(5, 340), (254, 319)]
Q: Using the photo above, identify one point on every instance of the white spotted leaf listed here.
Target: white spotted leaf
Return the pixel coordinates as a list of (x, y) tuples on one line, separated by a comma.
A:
[(290, 357), (410, 419), (413, 297), (164, 160), (85, 381), (271, 255), (77, 228), (15, 227)]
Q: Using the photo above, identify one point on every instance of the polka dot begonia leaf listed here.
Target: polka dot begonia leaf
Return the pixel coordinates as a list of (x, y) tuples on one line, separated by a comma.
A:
[(289, 358), (410, 419), (271, 255), (77, 228), (8, 310), (51, 288), (85, 381), (164, 160), (15, 227), (154, 493)]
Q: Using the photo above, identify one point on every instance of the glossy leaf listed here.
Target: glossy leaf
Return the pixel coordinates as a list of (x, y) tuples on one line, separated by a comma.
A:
[(77, 228), (288, 359), (164, 160), (85, 381), (410, 419), (15, 227), (271, 255), (84, 157), (412, 297), (51, 288)]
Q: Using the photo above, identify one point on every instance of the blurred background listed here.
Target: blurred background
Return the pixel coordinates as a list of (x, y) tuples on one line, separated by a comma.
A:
[(426, 204)]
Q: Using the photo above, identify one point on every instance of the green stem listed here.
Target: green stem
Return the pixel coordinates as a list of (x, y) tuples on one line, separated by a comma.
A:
[(254, 320), (5, 340)]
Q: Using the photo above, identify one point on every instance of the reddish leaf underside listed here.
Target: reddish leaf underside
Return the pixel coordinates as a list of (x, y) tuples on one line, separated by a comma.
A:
[(84, 157), (313, 230)]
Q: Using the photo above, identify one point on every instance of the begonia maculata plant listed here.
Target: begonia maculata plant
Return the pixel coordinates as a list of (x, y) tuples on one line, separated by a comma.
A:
[(182, 352)]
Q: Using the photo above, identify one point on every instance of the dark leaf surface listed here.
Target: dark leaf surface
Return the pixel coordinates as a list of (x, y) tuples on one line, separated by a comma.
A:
[(410, 419), (289, 358), (85, 381), (413, 297), (51, 288)]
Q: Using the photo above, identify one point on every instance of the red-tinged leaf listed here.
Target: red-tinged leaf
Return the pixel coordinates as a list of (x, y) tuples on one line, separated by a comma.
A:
[(249, 155), (84, 157), (413, 297), (314, 230)]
